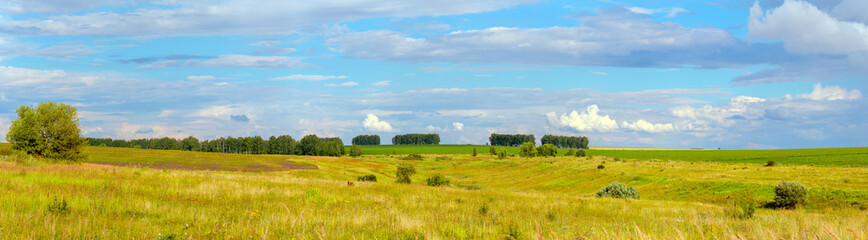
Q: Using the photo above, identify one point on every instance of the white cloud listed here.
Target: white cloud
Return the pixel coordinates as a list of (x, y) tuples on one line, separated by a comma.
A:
[(851, 10), (645, 126), (458, 126), (382, 83), (831, 93), (464, 113), (200, 78), (224, 17), (373, 124), (599, 73), (806, 29), (670, 12), (232, 60), (587, 121), (308, 77), (599, 41), (344, 84)]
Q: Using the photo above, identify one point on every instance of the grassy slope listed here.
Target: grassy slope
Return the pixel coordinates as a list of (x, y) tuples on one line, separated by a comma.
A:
[(540, 196)]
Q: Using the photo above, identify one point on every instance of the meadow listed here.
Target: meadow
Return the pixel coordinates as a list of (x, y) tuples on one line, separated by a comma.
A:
[(221, 196)]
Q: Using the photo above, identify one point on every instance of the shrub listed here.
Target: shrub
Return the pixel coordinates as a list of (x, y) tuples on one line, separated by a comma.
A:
[(355, 151), (58, 207), (412, 157), (743, 205), (601, 166), (437, 180), (50, 130), (502, 154), (771, 163), (571, 152), (790, 194), (618, 190), (367, 178), (547, 150), (581, 153), (474, 152), (492, 151), (404, 172), (527, 150), (483, 209)]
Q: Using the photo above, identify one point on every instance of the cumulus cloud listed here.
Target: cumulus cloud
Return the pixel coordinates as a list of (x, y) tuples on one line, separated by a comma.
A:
[(223, 17), (587, 121), (232, 60), (308, 77), (344, 84), (373, 124), (645, 126), (806, 29), (615, 37), (831, 93), (458, 126), (239, 118)]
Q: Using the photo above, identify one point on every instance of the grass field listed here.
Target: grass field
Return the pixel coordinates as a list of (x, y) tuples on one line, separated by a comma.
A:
[(549, 198)]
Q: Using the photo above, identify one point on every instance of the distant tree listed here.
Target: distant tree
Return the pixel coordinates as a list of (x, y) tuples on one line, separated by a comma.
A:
[(404, 172), (416, 139), (366, 140), (547, 150), (527, 150), (565, 141), (308, 145), (190, 144), (50, 130), (355, 151), (510, 139)]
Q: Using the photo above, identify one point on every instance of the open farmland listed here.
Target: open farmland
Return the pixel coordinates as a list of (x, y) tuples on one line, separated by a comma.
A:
[(488, 198)]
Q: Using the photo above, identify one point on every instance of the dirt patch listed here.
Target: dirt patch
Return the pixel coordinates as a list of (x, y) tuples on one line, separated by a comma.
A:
[(279, 166)]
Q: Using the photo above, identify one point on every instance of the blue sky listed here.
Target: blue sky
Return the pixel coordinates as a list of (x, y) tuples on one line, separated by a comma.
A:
[(730, 74)]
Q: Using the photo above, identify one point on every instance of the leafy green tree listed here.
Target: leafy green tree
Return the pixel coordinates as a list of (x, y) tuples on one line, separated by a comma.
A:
[(355, 151), (190, 144), (581, 153), (308, 145), (547, 150), (404, 172), (50, 130), (492, 151), (502, 154), (527, 150)]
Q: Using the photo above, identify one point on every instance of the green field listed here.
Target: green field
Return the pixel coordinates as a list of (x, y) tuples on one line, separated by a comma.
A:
[(170, 193), (818, 156)]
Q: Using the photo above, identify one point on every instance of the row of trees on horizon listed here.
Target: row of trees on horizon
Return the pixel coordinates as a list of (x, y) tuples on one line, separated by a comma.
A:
[(514, 140), (284, 144)]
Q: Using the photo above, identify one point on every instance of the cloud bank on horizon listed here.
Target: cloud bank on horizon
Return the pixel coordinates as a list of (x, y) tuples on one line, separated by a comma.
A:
[(730, 74)]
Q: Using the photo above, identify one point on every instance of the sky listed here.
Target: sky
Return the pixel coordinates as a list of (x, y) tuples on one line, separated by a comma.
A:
[(732, 74)]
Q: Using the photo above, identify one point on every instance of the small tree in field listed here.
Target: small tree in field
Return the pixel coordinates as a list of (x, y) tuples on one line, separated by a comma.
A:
[(492, 151), (50, 130), (355, 151), (474, 152), (404, 172), (581, 153), (527, 150)]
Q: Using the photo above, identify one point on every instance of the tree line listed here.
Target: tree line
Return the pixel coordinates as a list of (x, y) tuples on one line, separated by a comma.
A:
[(512, 140), (366, 140), (416, 139), (284, 144), (566, 141)]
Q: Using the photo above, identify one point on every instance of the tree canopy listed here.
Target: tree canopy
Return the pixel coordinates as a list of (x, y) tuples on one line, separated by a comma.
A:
[(49, 130)]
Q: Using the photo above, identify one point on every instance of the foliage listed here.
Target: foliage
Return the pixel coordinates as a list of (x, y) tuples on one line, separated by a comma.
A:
[(510, 139), (771, 163), (355, 151), (790, 194), (474, 152), (547, 150), (527, 150), (49, 130), (601, 166), (565, 141), (366, 140), (743, 205), (367, 178), (618, 190), (492, 151), (412, 157), (581, 153), (570, 152), (416, 139), (58, 207), (437, 180), (404, 172), (502, 154)]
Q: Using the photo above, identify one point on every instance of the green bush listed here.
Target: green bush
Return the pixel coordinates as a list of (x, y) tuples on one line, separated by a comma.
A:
[(437, 180), (367, 178), (570, 152), (355, 151), (547, 150), (618, 190), (412, 157), (790, 194), (502, 154), (474, 152), (492, 151), (527, 150), (58, 207), (601, 166), (404, 172), (771, 163), (581, 153)]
